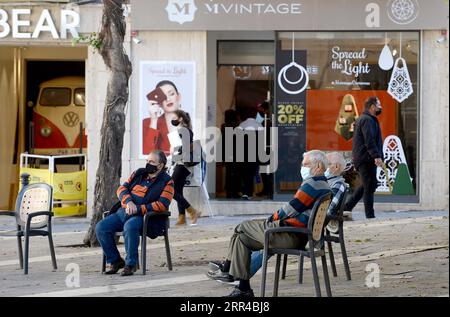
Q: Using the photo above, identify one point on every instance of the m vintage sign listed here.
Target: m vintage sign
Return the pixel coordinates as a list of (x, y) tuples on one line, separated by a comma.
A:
[(289, 15)]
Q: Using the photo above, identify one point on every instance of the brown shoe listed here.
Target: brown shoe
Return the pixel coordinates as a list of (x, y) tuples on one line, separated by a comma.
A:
[(181, 220), (115, 267), (194, 214), (129, 270)]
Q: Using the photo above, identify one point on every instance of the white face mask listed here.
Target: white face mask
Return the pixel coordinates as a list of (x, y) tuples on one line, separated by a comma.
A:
[(306, 172), (328, 173)]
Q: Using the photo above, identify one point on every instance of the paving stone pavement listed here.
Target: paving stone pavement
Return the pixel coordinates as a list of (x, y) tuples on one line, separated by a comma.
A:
[(409, 248)]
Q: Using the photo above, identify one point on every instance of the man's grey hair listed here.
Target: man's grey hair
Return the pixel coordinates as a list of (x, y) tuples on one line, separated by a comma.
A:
[(337, 158), (161, 156), (317, 156)]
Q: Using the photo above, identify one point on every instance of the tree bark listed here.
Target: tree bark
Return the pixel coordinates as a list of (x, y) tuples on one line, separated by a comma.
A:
[(113, 127)]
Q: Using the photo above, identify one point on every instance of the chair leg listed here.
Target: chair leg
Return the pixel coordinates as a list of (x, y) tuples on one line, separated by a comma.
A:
[(20, 251), (325, 275), (315, 273), (283, 272), (264, 274), (50, 242), (27, 247), (168, 256), (277, 276), (300, 269), (144, 254), (333, 264), (103, 263), (52, 250), (344, 257)]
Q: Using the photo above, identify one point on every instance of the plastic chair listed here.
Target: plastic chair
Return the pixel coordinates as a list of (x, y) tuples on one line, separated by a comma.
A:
[(329, 237), (315, 233), (148, 216), (33, 212)]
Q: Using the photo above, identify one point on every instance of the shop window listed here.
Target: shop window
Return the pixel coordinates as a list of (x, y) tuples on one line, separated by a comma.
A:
[(344, 70)]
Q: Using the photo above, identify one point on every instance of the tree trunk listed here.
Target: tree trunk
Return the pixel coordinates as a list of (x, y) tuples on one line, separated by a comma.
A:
[(113, 126)]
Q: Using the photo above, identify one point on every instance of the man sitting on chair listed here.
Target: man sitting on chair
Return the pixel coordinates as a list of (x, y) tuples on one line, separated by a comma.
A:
[(249, 235), (336, 165), (148, 189)]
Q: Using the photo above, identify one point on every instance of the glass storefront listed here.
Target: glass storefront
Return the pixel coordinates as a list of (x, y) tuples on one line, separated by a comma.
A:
[(345, 68), (244, 80)]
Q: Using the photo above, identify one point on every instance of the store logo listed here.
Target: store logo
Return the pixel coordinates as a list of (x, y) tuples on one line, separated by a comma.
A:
[(403, 11), (70, 119), (246, 8), (181, 11)]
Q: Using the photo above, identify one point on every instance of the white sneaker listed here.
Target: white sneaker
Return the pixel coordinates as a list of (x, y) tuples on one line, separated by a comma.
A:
[(347, 216), (333, 226)]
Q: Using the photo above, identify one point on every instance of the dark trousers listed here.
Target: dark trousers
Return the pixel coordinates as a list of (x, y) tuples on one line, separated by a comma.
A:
[(267, 180), (368, 175), (180, 173), (131, 227), (248, 173), (232, 180)]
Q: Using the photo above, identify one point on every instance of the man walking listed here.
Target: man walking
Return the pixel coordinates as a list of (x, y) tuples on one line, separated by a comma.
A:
[(367, 155)]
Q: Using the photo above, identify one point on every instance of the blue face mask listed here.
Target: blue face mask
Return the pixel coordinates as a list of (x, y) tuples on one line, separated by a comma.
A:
[(259, 118), (306, 172), (328, 173)]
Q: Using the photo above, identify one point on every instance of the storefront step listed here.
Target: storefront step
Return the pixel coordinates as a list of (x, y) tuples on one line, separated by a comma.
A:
[(238, 207)]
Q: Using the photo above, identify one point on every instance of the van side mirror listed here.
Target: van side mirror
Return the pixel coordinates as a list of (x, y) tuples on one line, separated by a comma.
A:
[(30, 104)]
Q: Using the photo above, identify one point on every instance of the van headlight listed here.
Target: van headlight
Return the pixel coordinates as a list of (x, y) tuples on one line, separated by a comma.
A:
[(46, 131)]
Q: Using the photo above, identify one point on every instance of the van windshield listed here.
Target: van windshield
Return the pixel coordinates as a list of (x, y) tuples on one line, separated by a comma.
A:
[(79, 97), (55, 97)]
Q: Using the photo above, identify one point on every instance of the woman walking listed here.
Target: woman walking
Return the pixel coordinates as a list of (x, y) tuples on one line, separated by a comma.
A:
[(182, 120)]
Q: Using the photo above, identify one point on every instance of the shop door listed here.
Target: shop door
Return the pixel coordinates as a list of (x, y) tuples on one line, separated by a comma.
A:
[(244, 91)]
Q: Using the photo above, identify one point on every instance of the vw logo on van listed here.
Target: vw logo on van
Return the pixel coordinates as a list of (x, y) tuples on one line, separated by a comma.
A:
[(71, 119)]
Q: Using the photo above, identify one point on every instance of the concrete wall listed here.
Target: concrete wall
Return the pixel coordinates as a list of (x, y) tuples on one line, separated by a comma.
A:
[(434, 127)]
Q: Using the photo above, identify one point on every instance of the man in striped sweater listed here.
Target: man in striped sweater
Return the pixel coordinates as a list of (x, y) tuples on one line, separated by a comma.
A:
[(249, 235), (148, 189)]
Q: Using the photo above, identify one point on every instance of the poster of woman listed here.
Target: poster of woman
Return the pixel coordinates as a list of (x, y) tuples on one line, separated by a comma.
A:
[(164, 88)]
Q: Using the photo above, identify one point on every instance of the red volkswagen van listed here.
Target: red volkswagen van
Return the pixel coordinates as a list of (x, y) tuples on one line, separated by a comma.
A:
[(57, 116)]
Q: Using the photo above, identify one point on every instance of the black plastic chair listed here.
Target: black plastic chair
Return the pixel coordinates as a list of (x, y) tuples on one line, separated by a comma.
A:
[(315, 233), (338, 237), (33, 212), (329, 238), (147, 217)]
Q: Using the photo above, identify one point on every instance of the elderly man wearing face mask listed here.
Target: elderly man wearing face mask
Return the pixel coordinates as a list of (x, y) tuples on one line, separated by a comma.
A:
[(147, 189), (336, 165), (249, 235)]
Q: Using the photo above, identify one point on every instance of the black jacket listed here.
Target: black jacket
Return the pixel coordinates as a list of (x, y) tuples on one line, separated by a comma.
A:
[(367, 141)]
